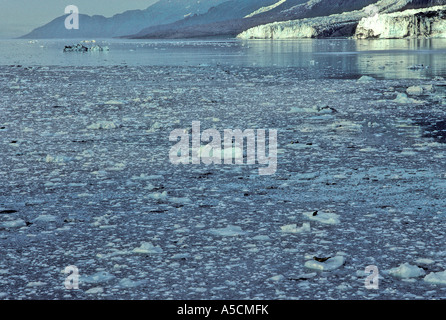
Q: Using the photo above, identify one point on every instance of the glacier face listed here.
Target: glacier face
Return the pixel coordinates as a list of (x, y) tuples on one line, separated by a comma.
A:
[(345, 24), (428, 22), (334, 25)]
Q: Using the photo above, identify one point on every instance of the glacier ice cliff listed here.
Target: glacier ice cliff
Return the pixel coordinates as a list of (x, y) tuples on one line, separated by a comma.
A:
[(331, 26), (347, 24), (415, 23)]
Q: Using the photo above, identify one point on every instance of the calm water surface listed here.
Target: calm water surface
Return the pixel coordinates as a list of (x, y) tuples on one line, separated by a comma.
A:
[(388, 59)]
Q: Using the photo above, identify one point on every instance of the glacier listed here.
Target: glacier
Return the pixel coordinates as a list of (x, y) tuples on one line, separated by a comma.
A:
[(355, 22), (415, 23)]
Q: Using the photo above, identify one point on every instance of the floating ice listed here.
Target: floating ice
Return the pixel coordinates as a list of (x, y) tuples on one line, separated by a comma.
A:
[(436, 278), (95, 290), (180, 200), (403, 99), (45, 218), (128, 283), (261, 238), (292, 228), (366, 79), (98, 277), (13, 224), (323, 217), (114, 102), (147, 248), (57, 159), (36, 284), (277, 278), (417, 67), (158, 196), (406, 270), (424, 261), (415, 91), (229, 231), (328, 265), (180, 256), (99, 48), (102, 125)]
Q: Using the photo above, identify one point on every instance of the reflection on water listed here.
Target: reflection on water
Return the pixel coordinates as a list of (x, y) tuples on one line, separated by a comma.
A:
[(393, 58), (388, 59)]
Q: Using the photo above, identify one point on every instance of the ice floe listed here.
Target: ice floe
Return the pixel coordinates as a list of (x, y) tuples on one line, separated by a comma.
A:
[(98, 277), (436, 278), (148, 248), (330, 264), (229, 231), (406, 270), (292, 228), (323, 217), (102, 125)]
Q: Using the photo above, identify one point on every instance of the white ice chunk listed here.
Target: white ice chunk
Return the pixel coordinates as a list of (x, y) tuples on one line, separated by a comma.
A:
[(13, 224), (277, 278), (323, 217), (424, 261), (366, 79), (292, 228), (98, 277), (328, 265), (128, 283), (158, 196), (406, 270), (45, 218), (436, 278), (180, 200), (229, 231), (402, 98), (414, 91), (95, 290), (147, 248)]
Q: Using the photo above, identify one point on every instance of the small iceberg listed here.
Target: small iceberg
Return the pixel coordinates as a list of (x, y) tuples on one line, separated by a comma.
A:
[(436, 278), (323, 217), (328, 264), (418, 67), (292, 228), (98, 277), (148, 248), (366, 79), (406, 271), (81, 48), (229, 231)]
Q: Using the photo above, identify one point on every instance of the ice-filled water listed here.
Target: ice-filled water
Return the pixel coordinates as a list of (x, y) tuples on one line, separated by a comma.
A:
[(86, 179), (391, 58)]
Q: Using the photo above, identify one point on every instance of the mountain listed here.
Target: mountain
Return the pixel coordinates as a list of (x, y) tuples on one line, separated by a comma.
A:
[(232, 17), (243, 18), (129, 22), (219, 15)]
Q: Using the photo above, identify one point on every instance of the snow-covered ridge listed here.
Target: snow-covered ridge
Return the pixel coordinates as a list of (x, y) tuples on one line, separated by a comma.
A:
[(266, 9), (427, 22)]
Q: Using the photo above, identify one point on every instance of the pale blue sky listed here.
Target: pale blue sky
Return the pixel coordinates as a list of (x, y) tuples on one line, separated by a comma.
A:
[(18, 17)]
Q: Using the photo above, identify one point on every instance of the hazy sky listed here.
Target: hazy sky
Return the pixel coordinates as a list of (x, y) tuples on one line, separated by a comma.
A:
[(18, 17)]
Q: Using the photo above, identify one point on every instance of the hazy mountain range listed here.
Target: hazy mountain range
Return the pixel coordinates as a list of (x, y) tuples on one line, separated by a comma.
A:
[(195, 18)]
